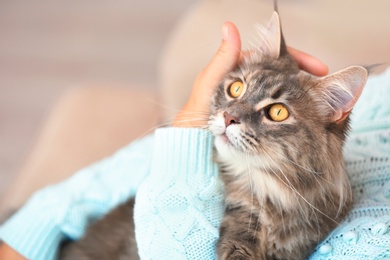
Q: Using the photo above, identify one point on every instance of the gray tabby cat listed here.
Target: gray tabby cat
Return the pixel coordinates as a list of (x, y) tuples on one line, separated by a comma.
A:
[(279, 133), (110, 238)]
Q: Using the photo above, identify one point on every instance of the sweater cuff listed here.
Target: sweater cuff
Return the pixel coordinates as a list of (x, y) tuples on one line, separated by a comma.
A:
[(182, 152), (180, 205), (39, 226)]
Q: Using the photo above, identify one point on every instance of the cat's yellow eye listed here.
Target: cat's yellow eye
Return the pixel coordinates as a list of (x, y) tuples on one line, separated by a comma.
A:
[(278, 112), (235, 90)]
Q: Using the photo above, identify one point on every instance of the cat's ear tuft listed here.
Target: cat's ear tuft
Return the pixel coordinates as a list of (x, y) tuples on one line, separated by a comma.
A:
[(341, 90), (271, 37)]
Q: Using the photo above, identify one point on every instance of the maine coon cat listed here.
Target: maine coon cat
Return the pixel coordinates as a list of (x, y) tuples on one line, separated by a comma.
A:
[(279, 133)]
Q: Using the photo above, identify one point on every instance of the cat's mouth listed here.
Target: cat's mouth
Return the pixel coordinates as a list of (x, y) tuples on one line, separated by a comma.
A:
[(224, 142), (225, 138), (230, 139)]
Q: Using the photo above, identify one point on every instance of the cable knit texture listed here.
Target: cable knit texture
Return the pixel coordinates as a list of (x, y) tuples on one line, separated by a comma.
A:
[(179, 201), (65, 210), (180, 205)]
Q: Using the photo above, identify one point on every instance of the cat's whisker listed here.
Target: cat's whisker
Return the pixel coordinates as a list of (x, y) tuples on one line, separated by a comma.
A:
[(251, 189), (192, 119), (181, 111), (261, 164), (315, 173), (299, 194), (288, 184), (296, 194), (282, 214), (248, 143), (194, 112), (152, 129), (317, 176), (162, 105), (279, 205), (203, 126)]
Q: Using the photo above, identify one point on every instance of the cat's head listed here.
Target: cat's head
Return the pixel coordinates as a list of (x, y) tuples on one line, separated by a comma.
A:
[(268, 108)]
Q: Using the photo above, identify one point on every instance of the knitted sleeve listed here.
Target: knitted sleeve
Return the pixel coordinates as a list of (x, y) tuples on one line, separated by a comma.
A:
[(64, 210), (180, 205)]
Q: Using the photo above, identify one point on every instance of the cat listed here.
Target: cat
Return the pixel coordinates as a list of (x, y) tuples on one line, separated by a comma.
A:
[(112, 237), (279, 133)]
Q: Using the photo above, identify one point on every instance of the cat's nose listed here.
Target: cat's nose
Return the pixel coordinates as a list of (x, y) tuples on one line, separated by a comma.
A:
[(229, 119)]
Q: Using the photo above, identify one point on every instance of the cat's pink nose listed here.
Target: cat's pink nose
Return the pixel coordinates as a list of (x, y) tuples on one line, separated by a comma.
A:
[(229, 119)]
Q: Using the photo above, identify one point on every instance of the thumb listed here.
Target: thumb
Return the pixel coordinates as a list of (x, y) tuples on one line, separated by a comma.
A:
[(227, 56)]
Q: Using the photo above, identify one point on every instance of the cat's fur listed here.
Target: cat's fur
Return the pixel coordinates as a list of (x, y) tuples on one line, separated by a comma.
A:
[(110, 238), (285, 183)]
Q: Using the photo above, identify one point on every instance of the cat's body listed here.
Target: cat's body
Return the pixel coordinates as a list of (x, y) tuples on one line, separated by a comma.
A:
[(110, 238), (279, 134), (285, 182)]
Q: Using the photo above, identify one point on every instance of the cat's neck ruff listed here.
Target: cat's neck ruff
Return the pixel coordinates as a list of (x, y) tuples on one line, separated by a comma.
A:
[(252, 174)]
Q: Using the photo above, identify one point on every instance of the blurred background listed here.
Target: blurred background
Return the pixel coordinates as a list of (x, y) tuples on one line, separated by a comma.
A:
[(48, 47)]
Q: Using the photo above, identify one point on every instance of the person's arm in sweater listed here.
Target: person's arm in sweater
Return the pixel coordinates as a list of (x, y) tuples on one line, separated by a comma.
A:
[(63, 211), (180, 205)]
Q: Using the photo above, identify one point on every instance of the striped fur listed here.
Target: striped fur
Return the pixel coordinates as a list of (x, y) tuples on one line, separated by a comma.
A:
[(286, 186)]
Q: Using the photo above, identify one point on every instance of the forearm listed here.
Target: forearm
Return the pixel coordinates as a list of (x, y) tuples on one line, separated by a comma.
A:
[(6, 252), (64, 211), (179, 206)]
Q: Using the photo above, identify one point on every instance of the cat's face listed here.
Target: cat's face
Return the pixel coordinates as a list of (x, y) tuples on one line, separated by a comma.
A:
[(264, 109)]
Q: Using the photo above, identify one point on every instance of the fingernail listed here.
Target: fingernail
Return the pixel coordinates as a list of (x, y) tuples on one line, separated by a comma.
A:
[(225, 32)]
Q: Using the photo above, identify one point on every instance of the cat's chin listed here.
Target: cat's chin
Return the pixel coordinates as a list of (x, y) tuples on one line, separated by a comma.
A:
[(225, 147), (233, 157), (225, 139)]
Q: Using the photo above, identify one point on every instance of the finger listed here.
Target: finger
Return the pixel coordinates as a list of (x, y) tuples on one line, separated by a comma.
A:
[(227, 55), (308, 63)]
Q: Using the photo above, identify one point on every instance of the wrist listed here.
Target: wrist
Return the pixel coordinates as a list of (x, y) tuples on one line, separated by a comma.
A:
[(7, 252), (191, 117)]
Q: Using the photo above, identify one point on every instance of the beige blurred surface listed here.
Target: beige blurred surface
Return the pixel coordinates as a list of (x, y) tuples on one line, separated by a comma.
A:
[(47, 48)]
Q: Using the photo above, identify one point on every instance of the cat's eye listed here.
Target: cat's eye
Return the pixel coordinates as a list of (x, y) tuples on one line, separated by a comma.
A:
[(235, 90), (278, 112)]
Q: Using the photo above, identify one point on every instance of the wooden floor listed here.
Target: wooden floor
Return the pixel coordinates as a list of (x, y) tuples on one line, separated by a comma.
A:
[(47, 47)]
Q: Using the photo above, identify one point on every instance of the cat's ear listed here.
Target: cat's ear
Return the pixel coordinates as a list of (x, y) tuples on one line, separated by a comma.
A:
[(340, 91), (271, 37), (273, 43)]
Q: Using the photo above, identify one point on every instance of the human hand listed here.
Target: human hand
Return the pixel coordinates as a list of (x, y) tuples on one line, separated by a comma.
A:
[(195, 112), (6, 252)]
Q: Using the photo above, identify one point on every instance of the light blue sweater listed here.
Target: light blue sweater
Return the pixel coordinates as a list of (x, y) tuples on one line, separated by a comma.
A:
[(179, 202)]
